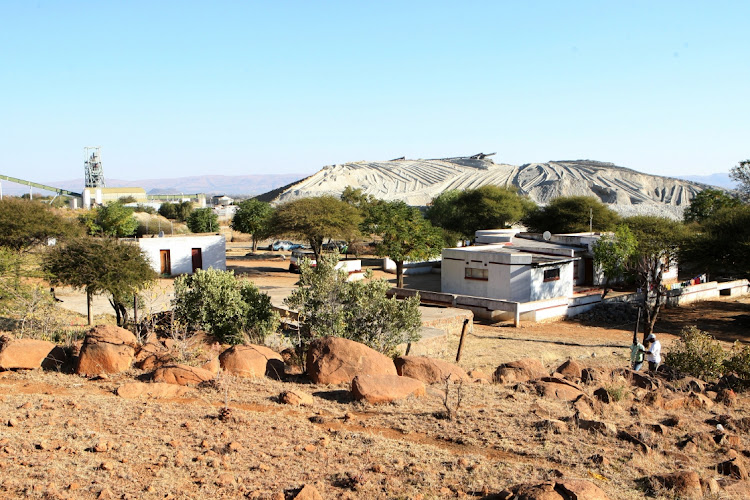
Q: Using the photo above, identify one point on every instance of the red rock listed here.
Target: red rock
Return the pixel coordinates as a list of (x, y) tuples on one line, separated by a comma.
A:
[(570, 370), (684, 484), (106, 349), (333, 360), (692, 400), (562, 490), (557, 388), (308, 492), (296, 398), (23, 354), (182, 375), (479, 376), (134, 390), (429, 370), (519, 371), (153, 355), (385, 388), (251, 361)]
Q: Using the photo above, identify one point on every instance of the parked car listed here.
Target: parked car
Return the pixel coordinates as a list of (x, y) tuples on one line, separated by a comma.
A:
[(298, 255), (284, 245), (336, 245)]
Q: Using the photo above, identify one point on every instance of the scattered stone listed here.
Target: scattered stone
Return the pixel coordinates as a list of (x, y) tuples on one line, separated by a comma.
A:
[(734, 468), (553, 424), (522, 370), (334, 360), (308, 492), (727, 396), (156, 390), (106, 349), (182, 375), (23, 354), (12, 422), (557, 388), (224, 479), (429, 370), (599, 460), (479, 376), (597, 426), (671, 421), (683, 484), (602, 395), (571, 370), (252, 361), (558, 490), (626, 436), (692, 400), (385, 388), (296, 398), (591, 376)]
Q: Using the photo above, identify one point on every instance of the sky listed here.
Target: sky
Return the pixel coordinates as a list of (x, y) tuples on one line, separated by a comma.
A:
[(171, 89)]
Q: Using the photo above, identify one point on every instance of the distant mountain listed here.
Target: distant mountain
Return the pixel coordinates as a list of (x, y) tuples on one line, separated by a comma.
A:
[(721, 180), (233, 185)]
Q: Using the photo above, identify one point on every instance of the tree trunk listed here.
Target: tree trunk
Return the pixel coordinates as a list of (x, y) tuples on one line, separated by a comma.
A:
[(400, 274), (255, 244), (88, 306)]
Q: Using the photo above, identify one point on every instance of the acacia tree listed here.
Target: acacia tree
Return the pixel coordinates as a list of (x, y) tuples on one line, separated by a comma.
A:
[(252, 217), (706, 203), (572, 214), (612, 252), (100, 265), (203, 220), (315, 219), (720, 245), (406, 235), (741, 174), (486, 207), (28, 224), (329, 305), (659, 240)]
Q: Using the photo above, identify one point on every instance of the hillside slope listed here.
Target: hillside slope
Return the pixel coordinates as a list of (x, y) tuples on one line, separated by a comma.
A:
[(418, 181)]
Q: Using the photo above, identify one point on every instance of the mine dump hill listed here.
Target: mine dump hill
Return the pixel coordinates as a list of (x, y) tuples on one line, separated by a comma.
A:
[(417, 182)]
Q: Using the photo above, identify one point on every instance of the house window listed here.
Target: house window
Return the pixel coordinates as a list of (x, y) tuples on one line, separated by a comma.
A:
[(552, 274), (472, 273)]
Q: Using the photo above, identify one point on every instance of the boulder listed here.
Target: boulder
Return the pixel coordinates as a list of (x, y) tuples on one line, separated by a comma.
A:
[(385, 388), (429, 370), (558, 490), (557, 388), (734, 468), (597, 426), (106, 349), (692, 400), (252, 361), (591, 376), (308, 492), (682, 484), (333, 360), (153, 355), (571, 370), (182, 375), (296, 398), (479, 377), (519, 371), (602, 395), (23, 354), (133, 390)]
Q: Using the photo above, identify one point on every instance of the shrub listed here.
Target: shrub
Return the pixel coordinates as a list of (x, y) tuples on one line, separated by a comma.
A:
[(617, 392), (232, 310), (696, 353), (329, 305), (739, 362)]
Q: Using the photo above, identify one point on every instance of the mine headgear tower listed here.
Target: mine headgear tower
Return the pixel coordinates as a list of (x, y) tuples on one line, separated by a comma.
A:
[(93, 167)]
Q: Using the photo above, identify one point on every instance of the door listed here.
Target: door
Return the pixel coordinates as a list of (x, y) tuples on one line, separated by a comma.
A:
[(588, 271), (197, 259), (166, 262)]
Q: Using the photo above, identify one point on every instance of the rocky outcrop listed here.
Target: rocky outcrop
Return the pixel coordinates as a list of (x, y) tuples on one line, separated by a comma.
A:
[(429, 370), (296, 398), (571, 370), (134, 390), (106, 349), (23, 354), (333, 360), (558, 490), (252, 361), (519, 371), (182, 375), (377, 389)]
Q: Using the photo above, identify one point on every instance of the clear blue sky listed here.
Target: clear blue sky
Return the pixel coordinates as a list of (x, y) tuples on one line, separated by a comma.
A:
[(189, 88)]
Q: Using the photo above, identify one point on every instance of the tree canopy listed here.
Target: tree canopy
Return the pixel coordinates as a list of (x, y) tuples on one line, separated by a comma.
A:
[(707, 203), (486, 207), (203, 220), (252, 217), (315, 219), (406, 235), (114, 220), (571, 214), (612, 252), (100, 265), (26, 224), (721, 244), (741, 174), (176, 211)]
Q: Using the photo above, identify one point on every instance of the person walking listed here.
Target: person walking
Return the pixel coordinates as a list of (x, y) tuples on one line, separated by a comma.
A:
[(653, 352)]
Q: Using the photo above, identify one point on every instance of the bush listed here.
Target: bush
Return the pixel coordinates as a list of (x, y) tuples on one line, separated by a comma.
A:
[(329, 305), (696, 353), (738, 362), (232, 310)]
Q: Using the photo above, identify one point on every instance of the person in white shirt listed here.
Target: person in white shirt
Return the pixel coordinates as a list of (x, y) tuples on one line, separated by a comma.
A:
[(653, 352)]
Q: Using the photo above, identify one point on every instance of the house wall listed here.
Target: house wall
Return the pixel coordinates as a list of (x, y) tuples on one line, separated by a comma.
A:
[(213, 252), (508, 275), (563, 287)]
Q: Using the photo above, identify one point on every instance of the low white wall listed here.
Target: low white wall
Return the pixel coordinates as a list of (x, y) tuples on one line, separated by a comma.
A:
[(213, 252)]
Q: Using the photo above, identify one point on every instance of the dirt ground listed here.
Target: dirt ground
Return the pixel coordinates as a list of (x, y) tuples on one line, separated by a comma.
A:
[(65, 436)]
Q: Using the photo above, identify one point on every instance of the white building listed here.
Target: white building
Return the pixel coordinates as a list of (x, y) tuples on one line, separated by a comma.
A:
[(506, 273), (173, 255)]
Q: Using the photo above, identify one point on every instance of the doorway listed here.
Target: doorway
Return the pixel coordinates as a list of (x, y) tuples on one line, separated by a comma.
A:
[(166, 262), (197, 259)]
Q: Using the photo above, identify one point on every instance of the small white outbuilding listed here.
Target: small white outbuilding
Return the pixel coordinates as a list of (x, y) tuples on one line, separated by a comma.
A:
[(174, 255)]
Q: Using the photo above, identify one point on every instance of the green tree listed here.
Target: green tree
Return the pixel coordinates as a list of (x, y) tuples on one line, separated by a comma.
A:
[(203, 220), (315, 219), (741, 174), (329, 305), (659, 240), (168, 210), (114, 220), (176, 211), (720, 245), (612, 252), (406, 235), (572, 214), (487, 207), (697, 354), (707, 203), (252, 217), (101, 265), (232, 310), (355, 197), (29, 224)]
